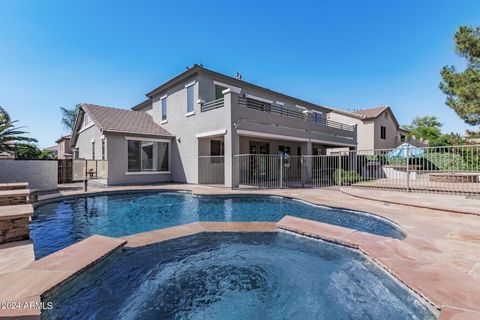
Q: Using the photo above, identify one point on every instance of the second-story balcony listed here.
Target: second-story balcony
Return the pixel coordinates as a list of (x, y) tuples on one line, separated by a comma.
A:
[(306, 115), (211, 105), (259, 116)]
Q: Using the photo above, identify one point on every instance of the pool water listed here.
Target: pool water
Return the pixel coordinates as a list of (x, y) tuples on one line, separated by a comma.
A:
[(236, 276), (59, 224)]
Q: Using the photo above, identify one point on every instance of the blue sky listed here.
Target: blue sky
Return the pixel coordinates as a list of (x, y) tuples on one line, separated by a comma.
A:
[(347, 54)]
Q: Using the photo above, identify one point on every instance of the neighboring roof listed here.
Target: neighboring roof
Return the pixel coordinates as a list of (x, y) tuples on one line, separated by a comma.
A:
[(109, 119), (368, 114), (230, 80), (7, 155), (363, 114), (371, 113), (63, 138), (51, 149)]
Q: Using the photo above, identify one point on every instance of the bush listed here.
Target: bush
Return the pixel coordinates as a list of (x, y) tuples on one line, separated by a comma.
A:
[(345, 177), (397, 161), (443, 161)]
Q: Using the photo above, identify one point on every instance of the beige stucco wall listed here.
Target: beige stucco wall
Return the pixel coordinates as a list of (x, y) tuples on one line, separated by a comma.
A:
[(84, 143), (391, 132), (368, 132), (365, 129)]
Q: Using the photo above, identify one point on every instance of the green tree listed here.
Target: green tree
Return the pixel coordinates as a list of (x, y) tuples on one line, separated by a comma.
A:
[(11, 136), (27, 151), (68, 117), (427, 128), (4, 115), (463, 88), (449, 139)]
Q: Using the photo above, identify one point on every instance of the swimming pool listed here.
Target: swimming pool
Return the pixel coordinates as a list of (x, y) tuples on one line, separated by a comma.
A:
[(59, 224), (236, 276)]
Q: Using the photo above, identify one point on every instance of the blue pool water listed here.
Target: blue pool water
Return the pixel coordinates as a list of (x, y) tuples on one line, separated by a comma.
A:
[(236, 276), (59, 224)]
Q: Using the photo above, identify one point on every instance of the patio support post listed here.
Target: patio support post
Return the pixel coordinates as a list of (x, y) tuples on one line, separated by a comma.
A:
[(306, 162), (232, 141)]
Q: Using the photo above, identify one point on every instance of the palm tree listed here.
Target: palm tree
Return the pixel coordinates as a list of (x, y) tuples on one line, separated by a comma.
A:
[(4, 114), (68, 117), (11, 136)]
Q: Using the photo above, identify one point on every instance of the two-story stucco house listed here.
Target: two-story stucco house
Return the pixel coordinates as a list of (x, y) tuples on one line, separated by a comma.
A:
[(202, 113), (377, 128)]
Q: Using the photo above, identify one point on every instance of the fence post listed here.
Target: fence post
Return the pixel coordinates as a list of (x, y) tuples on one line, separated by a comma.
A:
[(302, 171), (408, 169), (85, 182), (339, 169), (281, 172)]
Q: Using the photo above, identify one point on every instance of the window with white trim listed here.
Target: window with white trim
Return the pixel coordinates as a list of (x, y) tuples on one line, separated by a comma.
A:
[(147, 156), (190, 99), (93, 150), (164, 108)]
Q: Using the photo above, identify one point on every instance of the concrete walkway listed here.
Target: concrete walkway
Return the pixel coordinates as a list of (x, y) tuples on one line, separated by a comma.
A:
[(451, 203)]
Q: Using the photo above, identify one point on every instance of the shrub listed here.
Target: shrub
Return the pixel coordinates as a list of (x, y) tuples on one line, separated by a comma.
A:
[(443, 161), (397, 161), (345, 177)]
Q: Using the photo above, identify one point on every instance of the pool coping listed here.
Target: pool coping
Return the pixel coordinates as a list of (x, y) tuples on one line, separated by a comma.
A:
[(45, 275)]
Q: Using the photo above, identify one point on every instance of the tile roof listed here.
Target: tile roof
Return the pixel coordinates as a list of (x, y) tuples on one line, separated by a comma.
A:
[(126, 121), (364, 114)]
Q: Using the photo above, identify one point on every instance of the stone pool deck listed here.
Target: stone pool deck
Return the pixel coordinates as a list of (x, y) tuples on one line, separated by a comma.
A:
[(439, 259)]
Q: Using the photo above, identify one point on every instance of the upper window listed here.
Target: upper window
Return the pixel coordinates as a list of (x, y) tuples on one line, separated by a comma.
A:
[(190, 104), (164, 108), (93, 150), (147, 156), (383, 132), (219, 91)]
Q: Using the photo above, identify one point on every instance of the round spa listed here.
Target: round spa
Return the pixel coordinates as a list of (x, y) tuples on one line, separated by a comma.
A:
[(273, 275), (61, 223)]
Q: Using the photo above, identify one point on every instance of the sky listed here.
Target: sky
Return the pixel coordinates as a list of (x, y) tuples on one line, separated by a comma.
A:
[(345, 54)]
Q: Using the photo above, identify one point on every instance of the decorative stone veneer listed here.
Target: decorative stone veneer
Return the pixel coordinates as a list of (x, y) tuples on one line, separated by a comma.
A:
[(14, 197), (14, 221)]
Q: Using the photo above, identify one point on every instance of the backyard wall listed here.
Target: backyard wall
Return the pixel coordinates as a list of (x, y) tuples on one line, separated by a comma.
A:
[(40, 174)]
